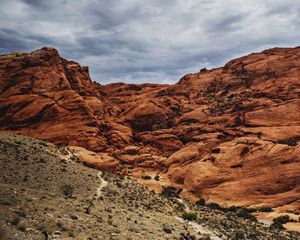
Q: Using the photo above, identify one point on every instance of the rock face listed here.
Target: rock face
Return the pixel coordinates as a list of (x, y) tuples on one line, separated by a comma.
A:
[(229, 135)]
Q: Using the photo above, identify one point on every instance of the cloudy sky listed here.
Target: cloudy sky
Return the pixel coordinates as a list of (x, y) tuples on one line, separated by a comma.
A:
[(148, 41)]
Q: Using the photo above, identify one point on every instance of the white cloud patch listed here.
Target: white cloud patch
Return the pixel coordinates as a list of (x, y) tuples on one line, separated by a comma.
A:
[(155, 41)]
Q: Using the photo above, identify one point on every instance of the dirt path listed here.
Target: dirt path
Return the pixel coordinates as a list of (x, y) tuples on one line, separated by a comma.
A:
[(186, 207), (103, 183), (199, 228)]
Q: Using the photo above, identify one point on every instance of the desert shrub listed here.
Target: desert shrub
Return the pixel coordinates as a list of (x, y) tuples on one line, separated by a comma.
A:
[(67, 190), (282, 219), (232, 209), (201, 202), (215, 206), (45, 230), (277, 225), (190, 216), (288, 142), (244, 213), (15, 221), (250, 210), (266, 209), (156, 178), (239, 234), (146, 177), (169, 191), (188, 236)]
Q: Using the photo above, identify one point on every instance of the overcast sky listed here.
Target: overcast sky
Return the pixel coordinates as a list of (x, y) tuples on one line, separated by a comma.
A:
[(148, 41)]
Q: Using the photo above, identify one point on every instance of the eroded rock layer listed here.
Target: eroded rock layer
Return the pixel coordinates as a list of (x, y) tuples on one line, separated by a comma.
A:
[(229, 135)]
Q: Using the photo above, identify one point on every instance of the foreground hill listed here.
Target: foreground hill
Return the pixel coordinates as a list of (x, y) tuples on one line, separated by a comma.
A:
[(46, 193), (228, 135)]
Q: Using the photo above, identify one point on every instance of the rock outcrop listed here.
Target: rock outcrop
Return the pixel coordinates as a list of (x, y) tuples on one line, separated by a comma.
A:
[(229, 135)]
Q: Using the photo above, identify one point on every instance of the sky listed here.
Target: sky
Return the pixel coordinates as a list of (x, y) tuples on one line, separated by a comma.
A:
[(155, 41)]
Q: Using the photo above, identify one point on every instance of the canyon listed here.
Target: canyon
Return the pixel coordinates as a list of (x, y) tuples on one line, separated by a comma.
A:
[(228, 135)]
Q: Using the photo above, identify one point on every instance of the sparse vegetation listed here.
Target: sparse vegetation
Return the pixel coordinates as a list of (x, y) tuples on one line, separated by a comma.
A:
[(239, 211), (245, 213), (12, 55), (189, 216), (277, 225), (157, 178)]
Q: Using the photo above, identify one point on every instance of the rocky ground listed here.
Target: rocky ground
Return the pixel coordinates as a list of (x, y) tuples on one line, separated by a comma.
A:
[(46, 193)]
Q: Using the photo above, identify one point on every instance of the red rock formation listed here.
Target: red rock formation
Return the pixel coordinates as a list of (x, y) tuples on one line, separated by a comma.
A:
[(229, 135)]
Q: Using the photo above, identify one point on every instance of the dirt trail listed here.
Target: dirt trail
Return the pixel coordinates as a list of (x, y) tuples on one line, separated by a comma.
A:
[(103, 183), (186, 207), (199, 228)]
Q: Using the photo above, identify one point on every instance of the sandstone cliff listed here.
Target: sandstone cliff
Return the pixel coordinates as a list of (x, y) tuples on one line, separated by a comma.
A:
[(229, 135)]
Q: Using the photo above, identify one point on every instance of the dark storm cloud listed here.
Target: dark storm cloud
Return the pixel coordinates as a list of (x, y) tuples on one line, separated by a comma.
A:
[(37, 3), (154, 41)]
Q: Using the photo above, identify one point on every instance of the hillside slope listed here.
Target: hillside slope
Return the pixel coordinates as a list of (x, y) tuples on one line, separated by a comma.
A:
[(45, 191), (228, 135)]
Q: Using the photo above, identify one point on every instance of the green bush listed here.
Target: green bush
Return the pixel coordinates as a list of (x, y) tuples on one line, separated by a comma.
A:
[(190, 216), (156, 178)]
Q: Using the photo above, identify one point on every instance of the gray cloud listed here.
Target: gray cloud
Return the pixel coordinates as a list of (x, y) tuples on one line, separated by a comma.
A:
[(155, 41)]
